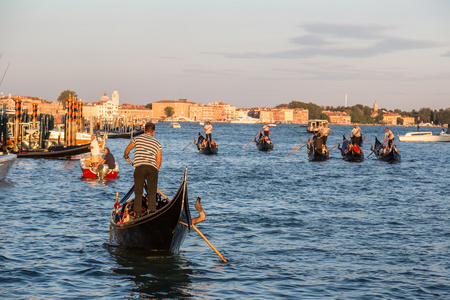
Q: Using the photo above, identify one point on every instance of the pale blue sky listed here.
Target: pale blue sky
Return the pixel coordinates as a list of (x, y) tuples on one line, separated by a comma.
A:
[(245, 53)]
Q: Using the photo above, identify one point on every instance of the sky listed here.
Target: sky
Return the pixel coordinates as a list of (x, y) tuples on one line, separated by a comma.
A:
[(242, 52)]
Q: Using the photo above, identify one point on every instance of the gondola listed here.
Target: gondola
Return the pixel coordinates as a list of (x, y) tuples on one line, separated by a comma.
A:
[(206, 147), (158, 233), (351, 152), (124, 135), (315, 150), (264, 144), (55, 152), (385, 154)]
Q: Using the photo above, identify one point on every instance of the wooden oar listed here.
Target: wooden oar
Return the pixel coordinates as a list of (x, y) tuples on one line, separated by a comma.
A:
[(369, 141), (199, 219), (194, 140), (339, 143), (300, 148), (252, 140), (302, 142)]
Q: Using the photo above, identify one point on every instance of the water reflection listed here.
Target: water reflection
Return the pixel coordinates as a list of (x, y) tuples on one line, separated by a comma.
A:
[(154, 277)]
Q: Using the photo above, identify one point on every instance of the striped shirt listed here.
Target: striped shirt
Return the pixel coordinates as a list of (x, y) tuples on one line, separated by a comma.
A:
[(146, 149)]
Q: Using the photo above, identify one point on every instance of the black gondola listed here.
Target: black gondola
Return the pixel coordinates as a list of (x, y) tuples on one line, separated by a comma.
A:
[(158, 233), (123, 135), (386, 154), (206, 147), (264, 145), (55, 152), (351, 152), (315, 150)]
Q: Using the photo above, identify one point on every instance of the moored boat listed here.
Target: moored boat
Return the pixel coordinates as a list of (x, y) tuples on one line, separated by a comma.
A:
[(351, 152), (161, 232), (206, 147), (6, 162), (384, 153), (55, 152), (424, 136), (264, 143)]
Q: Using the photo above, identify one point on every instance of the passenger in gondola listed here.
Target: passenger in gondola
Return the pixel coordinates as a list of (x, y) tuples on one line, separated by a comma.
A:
[(323, 133), (147, 161), (95, 151), (390, 138), (266, 129), (208, 128), (355, 135), (108, 159)]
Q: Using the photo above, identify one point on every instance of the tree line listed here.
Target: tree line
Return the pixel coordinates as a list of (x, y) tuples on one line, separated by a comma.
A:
[(364, 114)]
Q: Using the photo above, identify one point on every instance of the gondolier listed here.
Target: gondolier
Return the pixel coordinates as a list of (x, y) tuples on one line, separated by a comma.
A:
[(147, 160), (208, 128), (390, 136), (323, 133), (356, 136), (266, 129)]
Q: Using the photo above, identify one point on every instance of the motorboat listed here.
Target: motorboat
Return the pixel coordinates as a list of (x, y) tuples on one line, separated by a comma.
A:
[(245, 120), (424, 136), (314, 125), (175, 125), (100, 172), (6, 162)]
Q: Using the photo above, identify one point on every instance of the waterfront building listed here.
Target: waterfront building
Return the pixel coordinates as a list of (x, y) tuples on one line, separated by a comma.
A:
[(338, 117)]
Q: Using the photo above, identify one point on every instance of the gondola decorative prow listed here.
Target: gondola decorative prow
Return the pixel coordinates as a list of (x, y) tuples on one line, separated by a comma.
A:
[(117, 204)]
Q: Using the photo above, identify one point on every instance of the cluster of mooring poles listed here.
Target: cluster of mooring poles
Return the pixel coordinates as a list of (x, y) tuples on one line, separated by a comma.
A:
[(74, 121)]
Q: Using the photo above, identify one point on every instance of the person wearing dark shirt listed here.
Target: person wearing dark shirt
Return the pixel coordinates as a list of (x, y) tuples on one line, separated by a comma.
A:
[(109, 159)]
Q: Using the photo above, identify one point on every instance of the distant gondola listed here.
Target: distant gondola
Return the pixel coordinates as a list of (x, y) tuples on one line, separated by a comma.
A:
[(351, 152), (55, 152), (206, 147), (124, 135), (316, 152), (158, 233), (262, 144), (385, 154)]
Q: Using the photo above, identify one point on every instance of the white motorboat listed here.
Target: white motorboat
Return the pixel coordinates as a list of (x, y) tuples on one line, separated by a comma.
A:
[(6, 162), (245, 120), (175, 125), (315, 125), (424, 136)]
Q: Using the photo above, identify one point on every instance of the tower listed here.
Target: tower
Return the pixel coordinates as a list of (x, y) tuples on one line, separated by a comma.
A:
[(115, 98), (345, 104), (375, 106)]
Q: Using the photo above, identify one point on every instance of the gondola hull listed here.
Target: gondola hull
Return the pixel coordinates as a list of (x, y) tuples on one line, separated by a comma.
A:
[(159, 233), (56, 152), (264, 145), (208, 150), (314, 155), (353, 156), (391, 156)]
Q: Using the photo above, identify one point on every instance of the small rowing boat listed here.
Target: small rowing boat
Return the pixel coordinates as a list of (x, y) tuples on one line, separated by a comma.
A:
[(351, 152)]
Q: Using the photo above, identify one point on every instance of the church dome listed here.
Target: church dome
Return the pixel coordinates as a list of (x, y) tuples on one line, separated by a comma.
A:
[(104, 98)]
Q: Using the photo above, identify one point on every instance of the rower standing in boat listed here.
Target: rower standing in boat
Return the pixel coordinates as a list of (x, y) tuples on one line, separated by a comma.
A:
[(323, 133), (390, 136), (95, 151), (109, 159), (208, 128), (266, 129), (356, 136), (147, 160)]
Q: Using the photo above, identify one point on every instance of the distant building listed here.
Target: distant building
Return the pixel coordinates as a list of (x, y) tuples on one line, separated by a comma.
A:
[(301, 116), (408, 121), (338, 117), (390, 118), (108, 109), (135, 112), (180, 108)]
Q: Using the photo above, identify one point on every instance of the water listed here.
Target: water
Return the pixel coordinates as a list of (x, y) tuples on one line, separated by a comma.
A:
[(290, 228)]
